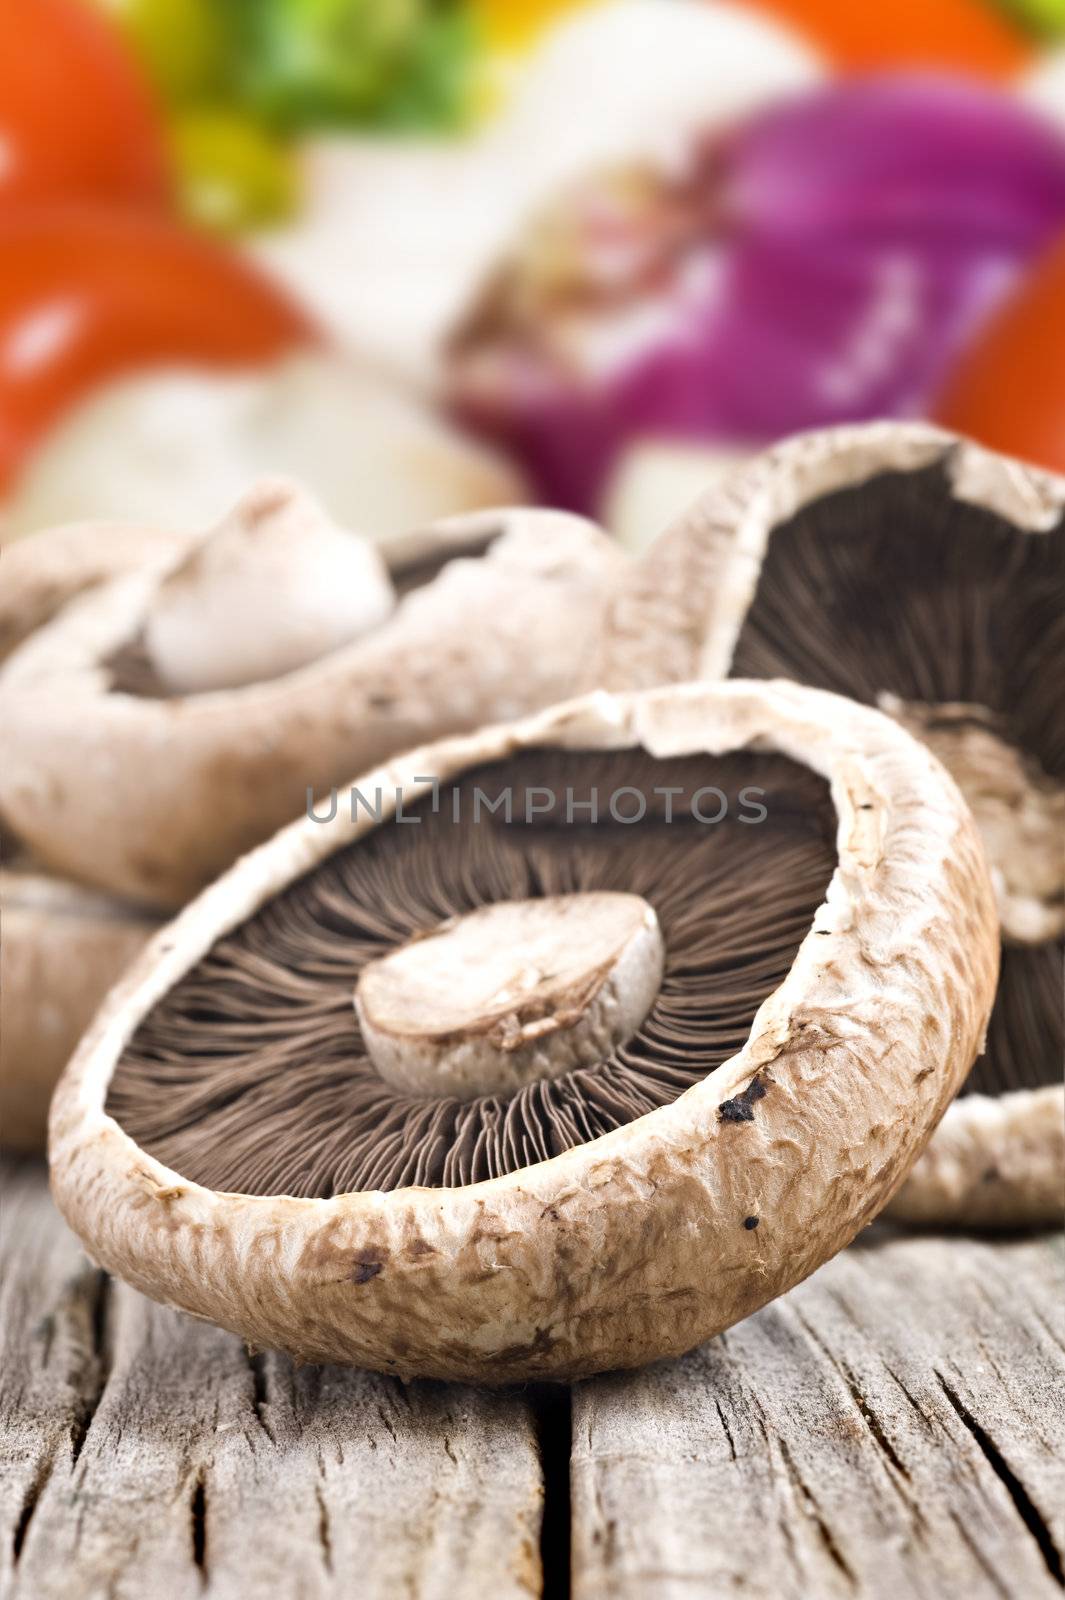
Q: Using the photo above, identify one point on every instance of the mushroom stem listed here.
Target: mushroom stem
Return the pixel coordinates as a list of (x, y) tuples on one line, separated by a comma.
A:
[(275, 586), (511, 992)]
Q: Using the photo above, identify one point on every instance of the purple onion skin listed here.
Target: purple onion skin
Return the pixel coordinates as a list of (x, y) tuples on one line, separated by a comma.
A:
[(855, 240)]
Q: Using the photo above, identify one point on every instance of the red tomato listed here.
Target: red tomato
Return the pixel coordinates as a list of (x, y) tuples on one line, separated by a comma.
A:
[(1009, 390), (87, 294), (76, 115), (971, 36)]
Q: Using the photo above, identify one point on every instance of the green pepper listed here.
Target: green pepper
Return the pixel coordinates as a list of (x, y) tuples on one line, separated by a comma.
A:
[(233, 175), (1044, 17), (183, 44), (314, 63)]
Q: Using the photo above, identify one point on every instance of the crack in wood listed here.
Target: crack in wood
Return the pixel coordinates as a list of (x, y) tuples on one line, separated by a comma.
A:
[(94, 1288), (1025, 1507), (862, 1405), (813, 1511), (324, 1536), (553, 1418), (198, 1520), (260, 1393), (30, 1501)]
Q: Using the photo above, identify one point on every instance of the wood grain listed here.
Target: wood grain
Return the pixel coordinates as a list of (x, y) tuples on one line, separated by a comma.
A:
[(146, 1455), (893, 1428)]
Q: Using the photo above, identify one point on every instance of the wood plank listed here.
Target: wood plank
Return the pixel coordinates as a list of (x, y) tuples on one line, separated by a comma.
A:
[(145, 1454), (893, 1428)]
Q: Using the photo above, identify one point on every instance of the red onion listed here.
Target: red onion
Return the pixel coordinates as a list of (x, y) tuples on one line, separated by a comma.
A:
[(824, 261)]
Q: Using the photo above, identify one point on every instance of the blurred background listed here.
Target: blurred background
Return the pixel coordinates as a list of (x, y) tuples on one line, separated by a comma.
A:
[(427, 253)]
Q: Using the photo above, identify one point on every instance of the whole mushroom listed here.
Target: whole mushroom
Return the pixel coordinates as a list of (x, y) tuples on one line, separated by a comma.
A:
[(274, 589), (473, 1079), (917, 572), (167, 721)]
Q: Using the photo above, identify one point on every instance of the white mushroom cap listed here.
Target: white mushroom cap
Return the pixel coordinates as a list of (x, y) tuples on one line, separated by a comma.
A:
[(276, 585), (562, 1267)]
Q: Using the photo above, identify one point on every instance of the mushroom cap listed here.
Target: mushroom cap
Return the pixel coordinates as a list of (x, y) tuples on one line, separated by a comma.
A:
[(62, 949), (150, 796), (682, 613), (562, 1267)]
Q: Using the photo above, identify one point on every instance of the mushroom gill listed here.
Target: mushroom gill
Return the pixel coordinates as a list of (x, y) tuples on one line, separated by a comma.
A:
[(952, 619), (252, 1073)]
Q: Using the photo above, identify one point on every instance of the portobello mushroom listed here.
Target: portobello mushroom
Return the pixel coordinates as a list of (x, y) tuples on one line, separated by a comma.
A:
[(561, 1047), (168, 720), (922, 574)]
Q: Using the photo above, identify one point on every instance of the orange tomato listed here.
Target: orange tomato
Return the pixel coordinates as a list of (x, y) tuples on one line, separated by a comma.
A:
[(86, 294), (1009, 390), (76, 116), (970, 36)]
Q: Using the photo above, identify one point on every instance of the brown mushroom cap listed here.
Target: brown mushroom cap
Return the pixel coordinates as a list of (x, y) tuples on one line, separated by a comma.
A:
[(113, 782), (814, 1097), (920, 573), (62, 949)]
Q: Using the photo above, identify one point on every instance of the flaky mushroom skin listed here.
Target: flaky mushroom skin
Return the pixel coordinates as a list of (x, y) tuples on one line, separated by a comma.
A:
[(150, 798), (61, 951), (677, 616), (639, 1244), (993, 1163)]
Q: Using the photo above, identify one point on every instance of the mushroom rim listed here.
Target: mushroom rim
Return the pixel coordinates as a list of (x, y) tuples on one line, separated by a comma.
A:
[(811, 466), (833, 736), (997, 1163)]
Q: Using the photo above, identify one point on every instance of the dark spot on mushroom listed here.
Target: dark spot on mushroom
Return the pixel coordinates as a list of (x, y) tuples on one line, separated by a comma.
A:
[(741, 1107), (365, 1270), (750, 1223), (251, 1073)]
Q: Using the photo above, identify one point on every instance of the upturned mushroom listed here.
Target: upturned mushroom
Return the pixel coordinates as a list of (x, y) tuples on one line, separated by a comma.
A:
[(917, 572), (164, 722), (578, 1040)]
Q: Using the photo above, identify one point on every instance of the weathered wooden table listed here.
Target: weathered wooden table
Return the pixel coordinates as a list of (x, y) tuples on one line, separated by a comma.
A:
[(895, 1427)]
